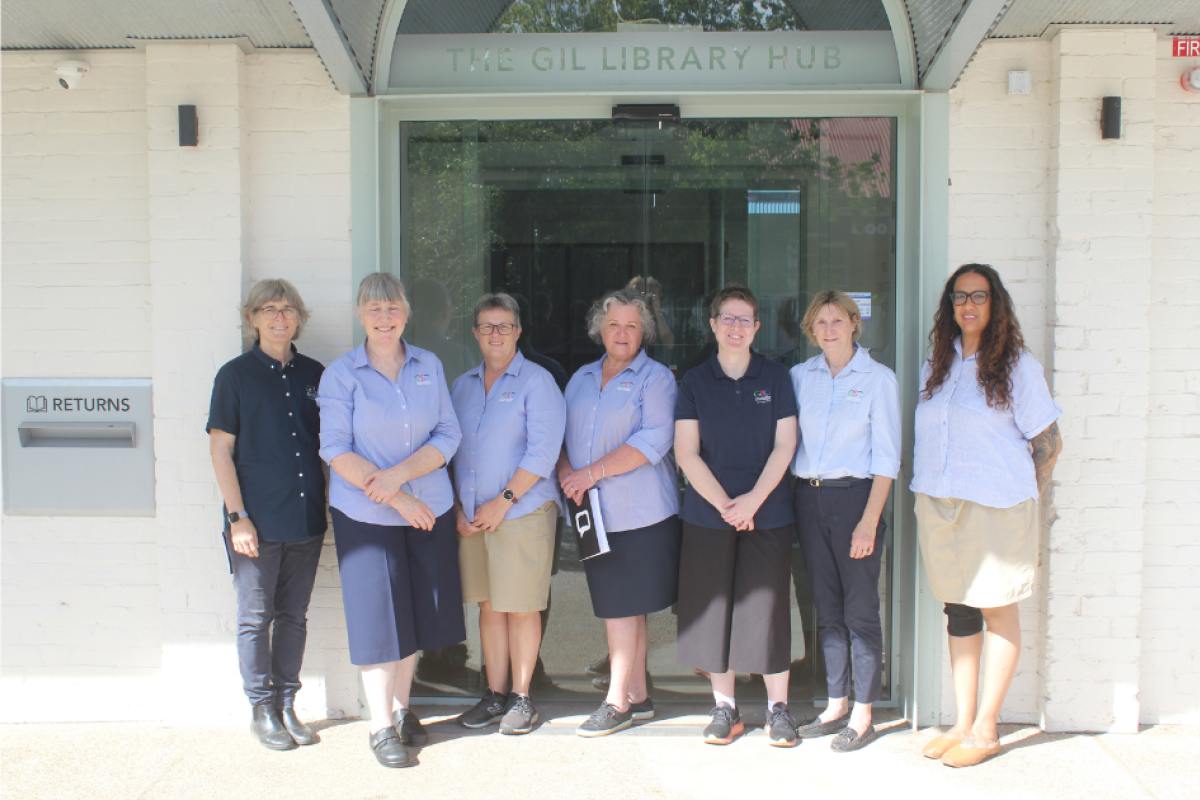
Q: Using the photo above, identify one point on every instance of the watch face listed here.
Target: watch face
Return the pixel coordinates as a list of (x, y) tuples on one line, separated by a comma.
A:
[(509, 495)]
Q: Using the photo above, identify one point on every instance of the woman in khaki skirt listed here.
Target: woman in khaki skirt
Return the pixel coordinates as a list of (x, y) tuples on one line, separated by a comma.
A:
[(986, 443)]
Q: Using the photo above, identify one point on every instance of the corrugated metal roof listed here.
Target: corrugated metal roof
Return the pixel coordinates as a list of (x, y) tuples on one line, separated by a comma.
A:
[(360, 22), (1028, 18), (452, 16), (931, 22), (846, 15), (87, 24)]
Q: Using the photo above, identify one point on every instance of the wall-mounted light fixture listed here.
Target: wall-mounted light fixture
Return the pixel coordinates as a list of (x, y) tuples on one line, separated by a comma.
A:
[(1191, 80), (1020, 83), (1110, 118), (189, 128)]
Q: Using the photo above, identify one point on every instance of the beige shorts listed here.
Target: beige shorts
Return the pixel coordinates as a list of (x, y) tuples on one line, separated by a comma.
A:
[(510, 568), (977, 555)]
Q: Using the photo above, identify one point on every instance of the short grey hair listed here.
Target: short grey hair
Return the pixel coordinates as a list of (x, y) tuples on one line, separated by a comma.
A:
[(382, 287), (499, 300), (269, 291), (621, 297)]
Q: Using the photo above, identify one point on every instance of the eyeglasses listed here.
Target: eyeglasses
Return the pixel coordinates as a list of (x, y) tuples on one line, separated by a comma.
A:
[(504, 328), (978, 298), (271, 312), (729, 320), (379, 312)]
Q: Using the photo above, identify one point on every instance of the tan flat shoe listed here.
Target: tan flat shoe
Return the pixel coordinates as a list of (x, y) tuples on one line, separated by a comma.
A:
[(940, 746), (959, 756)]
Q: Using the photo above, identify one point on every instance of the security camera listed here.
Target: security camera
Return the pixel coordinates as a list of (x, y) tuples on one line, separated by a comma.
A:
[(70, 73)]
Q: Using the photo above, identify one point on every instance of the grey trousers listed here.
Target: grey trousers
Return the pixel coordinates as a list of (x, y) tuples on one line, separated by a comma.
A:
[(273, 591)]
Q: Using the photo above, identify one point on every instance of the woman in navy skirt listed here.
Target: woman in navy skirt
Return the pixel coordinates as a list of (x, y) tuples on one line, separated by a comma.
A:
[(619, 434), (388, 430)]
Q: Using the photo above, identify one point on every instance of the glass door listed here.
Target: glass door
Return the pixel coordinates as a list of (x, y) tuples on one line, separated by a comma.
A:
[(559, 212)]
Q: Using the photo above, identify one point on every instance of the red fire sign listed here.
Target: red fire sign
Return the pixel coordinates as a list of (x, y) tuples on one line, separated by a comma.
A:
[(1186, 47)]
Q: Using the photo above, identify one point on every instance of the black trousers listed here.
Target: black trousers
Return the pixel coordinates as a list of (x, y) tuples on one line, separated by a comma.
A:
[(845, 590), (273, 591)]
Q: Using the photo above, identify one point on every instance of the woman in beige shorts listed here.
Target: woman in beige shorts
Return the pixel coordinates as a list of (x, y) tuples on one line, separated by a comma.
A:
[(986, 443), (507, 504)]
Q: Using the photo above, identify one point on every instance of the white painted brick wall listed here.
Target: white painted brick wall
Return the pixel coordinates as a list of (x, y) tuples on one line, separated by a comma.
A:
[(1170, 632)]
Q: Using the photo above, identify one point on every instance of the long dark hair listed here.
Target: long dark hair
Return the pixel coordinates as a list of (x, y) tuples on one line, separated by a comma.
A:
[(999, 347)]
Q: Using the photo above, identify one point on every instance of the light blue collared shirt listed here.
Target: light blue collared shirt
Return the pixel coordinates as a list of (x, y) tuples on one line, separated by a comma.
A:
[(968, 451), (365, 412), (637, 408), (849, 425), (518, 424)]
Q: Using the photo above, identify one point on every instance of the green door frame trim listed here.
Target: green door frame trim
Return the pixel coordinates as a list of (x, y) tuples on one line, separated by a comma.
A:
[(922, 244)]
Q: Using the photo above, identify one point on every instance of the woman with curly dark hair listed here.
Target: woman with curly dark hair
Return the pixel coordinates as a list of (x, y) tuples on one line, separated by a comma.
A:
[(986, 442)]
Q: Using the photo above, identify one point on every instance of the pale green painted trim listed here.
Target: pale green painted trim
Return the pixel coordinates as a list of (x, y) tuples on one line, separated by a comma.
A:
[(906, 44), (364, 196)]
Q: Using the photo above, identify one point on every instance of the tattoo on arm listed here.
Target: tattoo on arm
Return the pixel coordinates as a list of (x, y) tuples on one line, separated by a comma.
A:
[(1046, 447)]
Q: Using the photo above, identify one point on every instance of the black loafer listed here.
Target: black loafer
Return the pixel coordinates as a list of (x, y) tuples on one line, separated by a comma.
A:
[(388, 750), (301, 734), (268, 728), (811, 729), (849, 739), (412, 732)]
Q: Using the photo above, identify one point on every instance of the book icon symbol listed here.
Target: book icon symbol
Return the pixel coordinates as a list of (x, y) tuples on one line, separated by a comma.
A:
[(35, 404)]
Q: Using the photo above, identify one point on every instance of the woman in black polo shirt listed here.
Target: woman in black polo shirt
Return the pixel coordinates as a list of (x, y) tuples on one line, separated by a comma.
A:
[(735, 434), (263, 429)]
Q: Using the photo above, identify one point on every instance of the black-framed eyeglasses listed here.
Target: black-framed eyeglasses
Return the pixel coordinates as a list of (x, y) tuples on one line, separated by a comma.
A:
[(271, 312), (978, 298), (504, 328)]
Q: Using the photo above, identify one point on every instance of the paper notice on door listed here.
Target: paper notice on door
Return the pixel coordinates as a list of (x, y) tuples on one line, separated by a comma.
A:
[(864, 304)]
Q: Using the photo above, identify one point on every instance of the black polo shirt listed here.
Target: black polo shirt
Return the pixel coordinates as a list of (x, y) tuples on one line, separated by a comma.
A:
[(272, 410), (737, 434)]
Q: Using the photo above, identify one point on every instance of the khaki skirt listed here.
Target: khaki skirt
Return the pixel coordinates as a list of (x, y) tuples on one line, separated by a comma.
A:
[(977, 555)]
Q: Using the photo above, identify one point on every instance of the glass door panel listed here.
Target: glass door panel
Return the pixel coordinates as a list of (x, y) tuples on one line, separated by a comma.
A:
[(560, 212)]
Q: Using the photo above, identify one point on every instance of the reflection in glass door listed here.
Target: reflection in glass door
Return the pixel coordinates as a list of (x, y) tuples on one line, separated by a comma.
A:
[(560, 212)]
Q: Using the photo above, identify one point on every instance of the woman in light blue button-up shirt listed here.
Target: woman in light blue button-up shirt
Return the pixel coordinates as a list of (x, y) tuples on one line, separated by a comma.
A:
[(986, 443), (512, 415), (848, 457), (620, 428), (388, 430)]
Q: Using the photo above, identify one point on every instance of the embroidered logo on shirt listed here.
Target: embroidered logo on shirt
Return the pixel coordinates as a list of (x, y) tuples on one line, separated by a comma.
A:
[(855, 396), (762, 396), (625, 386), (311, 391), (423, 380), (506, 397)]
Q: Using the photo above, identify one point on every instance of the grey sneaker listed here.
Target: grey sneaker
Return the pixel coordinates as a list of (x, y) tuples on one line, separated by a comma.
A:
[(520, 716), (781, 727), (605, 720), (642, 710), (489, 709), (726, 725)]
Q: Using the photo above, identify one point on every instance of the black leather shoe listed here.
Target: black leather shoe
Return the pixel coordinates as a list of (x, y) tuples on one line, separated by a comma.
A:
[(849, 740), (412, 732), (812, 728), (268, 728), (387, 749), (301, 733)]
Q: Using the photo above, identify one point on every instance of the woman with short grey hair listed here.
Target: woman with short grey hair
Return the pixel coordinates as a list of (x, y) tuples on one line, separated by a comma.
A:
[(388, 430), (620, 428)]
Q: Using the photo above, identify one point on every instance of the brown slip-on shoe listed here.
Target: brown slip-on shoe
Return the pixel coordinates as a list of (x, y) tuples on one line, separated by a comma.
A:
[(959, 756), (940, 746)]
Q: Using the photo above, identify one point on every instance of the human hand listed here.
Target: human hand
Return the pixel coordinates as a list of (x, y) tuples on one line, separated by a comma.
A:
[(862, 543), (576, 484), (413, 510), (739, 512), (244, 537), (489, 515), (382, 485), (464, 525)]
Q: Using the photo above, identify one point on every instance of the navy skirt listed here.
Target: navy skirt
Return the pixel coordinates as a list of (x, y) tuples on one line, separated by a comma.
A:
[(640, 574), (400, 588)]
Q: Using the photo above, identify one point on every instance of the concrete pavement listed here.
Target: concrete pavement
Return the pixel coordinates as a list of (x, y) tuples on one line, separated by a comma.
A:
[(661, 759)]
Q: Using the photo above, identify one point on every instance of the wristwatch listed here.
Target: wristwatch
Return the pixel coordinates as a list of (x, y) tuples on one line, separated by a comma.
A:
[(236, 516), (510, 496)]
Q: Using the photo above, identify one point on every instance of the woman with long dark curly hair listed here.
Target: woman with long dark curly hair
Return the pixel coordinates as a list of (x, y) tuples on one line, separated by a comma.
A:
[(986, 442)]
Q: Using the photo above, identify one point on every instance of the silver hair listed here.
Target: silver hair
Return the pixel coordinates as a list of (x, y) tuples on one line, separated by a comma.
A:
[(265, 292), (621, 297), (382, 287), (497, 300)]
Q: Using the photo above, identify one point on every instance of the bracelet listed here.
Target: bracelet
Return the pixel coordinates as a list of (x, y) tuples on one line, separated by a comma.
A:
[(590, 478), (602, 474)]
